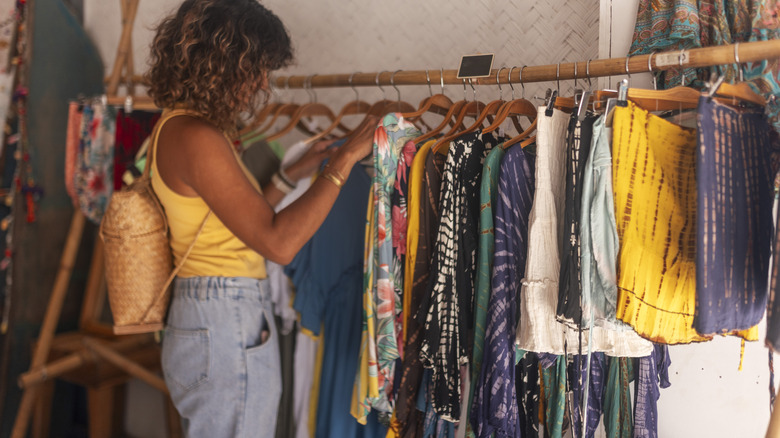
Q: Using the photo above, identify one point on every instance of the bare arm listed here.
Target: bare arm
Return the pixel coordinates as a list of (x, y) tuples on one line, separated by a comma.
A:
[(194, 159)]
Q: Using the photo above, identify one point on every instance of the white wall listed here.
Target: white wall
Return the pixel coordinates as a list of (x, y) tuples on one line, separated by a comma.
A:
[(708, 396), (344, 36)]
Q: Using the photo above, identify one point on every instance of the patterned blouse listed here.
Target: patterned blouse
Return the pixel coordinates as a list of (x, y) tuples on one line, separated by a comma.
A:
[(389, 138), (443, 348)]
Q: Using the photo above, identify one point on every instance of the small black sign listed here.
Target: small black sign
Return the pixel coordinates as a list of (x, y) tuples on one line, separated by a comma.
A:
[(475, 66)]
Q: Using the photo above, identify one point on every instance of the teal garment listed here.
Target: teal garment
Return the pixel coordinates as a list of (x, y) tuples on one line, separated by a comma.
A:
[(554, 378), (487, 198), (618, 418), (598, 232)]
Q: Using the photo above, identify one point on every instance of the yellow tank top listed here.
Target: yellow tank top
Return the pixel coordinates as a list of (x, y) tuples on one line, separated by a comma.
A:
[(217, 251)]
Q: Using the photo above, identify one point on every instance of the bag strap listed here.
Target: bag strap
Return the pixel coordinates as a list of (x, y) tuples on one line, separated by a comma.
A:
[(176, 270), (147, 167)]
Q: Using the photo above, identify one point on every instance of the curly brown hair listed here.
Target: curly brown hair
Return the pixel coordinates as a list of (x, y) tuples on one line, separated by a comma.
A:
[(213, 57)]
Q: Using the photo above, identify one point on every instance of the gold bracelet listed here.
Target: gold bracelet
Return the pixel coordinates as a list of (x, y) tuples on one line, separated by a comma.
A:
[(336, 173), (332, 178)]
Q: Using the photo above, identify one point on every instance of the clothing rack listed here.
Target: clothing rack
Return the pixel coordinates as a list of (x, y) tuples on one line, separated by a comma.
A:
[(703, 57)]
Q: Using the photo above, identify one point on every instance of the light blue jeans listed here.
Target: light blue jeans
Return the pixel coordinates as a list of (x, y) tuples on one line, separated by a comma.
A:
[(224, 380)]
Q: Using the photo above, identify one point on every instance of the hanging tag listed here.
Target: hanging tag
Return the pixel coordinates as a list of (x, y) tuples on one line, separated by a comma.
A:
[(475, 66), (584, 100), (673, 58), (551, 104)]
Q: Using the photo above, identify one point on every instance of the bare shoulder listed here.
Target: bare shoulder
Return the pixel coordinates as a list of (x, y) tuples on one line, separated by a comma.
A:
[(188, 147), (186, 132)]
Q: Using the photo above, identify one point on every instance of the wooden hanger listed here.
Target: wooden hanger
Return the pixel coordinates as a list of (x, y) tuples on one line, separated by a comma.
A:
[(311, 109), (448, 119), (514, 108), (272, 110), (474, 107), (401, 106), (260, 117), (733, 94), (434, 103), (354, 107), (491, 109)]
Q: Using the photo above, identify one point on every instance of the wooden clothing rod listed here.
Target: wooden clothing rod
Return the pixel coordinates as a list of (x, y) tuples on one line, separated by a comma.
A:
[(703, 57)]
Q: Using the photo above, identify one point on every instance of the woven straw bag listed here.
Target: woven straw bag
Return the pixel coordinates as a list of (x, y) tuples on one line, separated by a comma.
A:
[(139, 263)]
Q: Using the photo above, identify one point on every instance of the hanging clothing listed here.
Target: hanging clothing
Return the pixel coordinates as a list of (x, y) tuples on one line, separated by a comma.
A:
[(390, 136), (598, 233), (734, 218), (131, 131), (433, 425), (597, 382), (327, 273), (415, 201), (379, 348), (488, 192), (656, 226), (666, 25), (599, 247), (278, 282), (570, 283), (398, 202), (539, 330), (411, 419), (303, 381), (72, 136), (93, 178), (495, 402), (366, 386), (652, 372), (528, 393), (553, 371), (618, 420), (454, 259), (773, 307)]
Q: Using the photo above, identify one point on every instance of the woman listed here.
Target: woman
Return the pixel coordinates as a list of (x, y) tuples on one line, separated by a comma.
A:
[(220, 358)]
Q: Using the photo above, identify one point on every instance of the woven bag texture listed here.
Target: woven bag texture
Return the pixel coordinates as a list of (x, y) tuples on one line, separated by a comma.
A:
[(137, 253)]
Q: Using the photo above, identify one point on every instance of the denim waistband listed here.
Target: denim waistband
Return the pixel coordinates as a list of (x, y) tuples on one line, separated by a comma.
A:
[(210, 288)]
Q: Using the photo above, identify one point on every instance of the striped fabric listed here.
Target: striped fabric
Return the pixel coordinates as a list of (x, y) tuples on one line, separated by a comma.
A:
[(443, 348), (654, 180), (495, 402), (488, 191), (570, 283), (734, 219)]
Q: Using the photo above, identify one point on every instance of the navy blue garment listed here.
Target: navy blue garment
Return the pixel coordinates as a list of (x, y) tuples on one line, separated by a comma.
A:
[(328, 277), (652, 373), (578, 370), (495, 407), (734, 217)]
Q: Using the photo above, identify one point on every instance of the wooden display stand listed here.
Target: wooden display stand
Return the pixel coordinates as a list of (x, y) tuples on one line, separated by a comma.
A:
[(92, 356)]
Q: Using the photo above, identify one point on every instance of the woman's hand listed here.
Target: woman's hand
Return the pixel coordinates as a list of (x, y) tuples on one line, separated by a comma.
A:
[(360, 142)]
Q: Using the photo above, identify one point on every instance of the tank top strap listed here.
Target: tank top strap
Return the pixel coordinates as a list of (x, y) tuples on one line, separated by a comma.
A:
[(167, 114)]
